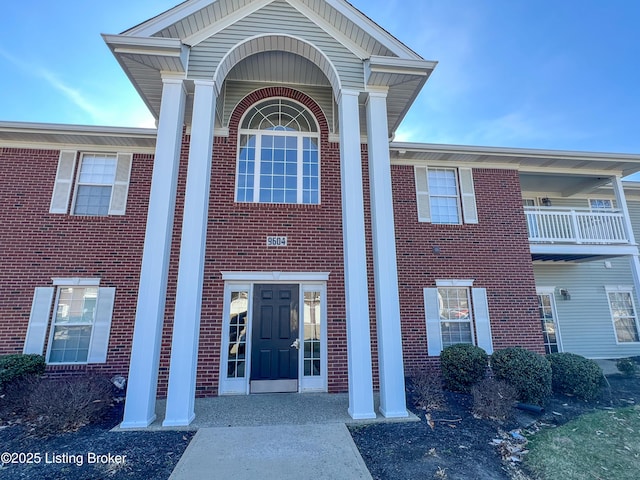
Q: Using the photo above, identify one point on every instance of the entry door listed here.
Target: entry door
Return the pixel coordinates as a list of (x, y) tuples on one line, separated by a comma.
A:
[(275, 344), (549, 323)]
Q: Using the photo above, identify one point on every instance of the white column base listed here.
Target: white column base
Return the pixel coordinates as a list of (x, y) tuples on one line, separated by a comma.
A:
[(138, 424), (178, 422)]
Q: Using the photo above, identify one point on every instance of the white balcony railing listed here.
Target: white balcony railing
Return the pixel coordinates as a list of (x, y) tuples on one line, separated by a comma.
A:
[(577, 226)]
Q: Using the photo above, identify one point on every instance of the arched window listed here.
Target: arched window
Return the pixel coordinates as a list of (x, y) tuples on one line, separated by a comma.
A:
[(278, 154)]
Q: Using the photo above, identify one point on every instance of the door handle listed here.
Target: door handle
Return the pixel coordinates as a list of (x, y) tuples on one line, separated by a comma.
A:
[(296, 344)]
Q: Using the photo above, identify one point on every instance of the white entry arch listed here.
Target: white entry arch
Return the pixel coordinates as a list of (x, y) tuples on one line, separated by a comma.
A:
[(282, 43)]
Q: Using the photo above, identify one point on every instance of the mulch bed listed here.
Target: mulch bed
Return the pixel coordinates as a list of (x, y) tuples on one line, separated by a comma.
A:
[(459, 446), (149, 455)]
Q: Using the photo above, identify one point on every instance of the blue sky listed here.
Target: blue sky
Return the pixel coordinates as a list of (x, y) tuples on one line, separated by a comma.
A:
[(536, 74)]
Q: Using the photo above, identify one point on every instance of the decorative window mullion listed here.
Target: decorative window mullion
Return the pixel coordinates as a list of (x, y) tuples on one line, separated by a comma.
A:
[(299, 167), (257, 169)]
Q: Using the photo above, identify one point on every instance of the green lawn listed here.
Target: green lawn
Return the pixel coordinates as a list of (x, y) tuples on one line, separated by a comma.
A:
[(603, 445)]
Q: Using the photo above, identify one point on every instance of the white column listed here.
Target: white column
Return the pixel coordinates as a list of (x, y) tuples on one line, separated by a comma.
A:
[(186, 324), (385, 266), (140, 404), (355, 260), (621, 202)]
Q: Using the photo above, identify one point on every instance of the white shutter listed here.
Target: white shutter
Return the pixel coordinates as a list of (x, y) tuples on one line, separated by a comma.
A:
[(38, 320), (121, 184), (481, 317), (422, 194), (468, 196), (432, 313), (101, 326), (64, 182)]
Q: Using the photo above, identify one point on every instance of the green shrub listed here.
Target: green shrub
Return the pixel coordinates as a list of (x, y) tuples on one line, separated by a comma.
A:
[(627, 366), (16, 366), (463, 365), (528, 372), (575, 375)]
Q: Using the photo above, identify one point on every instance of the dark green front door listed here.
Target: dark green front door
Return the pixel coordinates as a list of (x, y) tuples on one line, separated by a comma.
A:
[(274, 350)]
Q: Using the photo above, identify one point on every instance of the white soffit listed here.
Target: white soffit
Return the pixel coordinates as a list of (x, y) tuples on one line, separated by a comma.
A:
[(47, 135), (524, 160)]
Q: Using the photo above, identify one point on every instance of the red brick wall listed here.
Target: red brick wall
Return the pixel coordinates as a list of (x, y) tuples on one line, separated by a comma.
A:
[(494, 252), (237, 242), (37, 246)]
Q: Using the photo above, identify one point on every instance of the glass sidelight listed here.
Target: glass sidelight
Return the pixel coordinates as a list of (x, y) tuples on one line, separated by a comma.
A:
[(312, 334), (549, 326), (239, 307)]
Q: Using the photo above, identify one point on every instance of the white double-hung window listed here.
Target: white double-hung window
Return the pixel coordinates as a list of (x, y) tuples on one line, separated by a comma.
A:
[(78, 325), (95, 184), (623, 314), (278, 154), (456, 313), (445, 195)]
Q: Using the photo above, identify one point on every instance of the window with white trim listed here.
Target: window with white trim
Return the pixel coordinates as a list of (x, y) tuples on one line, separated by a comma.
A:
[(624, 316), (72, 325), (445, 195), (78, 324), (456, 324), (457, 313), (94, 184), (278, 154), (601, 204)]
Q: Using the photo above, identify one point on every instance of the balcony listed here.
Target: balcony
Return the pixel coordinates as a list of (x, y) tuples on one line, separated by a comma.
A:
[(562, 234)]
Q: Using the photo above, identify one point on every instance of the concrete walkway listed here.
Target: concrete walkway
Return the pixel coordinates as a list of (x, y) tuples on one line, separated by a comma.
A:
[(272, 436), (283, 452)]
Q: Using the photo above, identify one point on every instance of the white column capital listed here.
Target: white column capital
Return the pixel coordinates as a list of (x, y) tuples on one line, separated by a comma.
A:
[(203, 83), (377, 92), (344, 93)]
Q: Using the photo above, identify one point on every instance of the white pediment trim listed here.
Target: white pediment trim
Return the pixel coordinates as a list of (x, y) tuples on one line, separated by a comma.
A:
[(225, 22), (373, 29), (168, 18), (331, 30)]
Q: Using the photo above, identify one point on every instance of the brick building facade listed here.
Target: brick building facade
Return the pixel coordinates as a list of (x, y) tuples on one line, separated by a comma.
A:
[(268, 236)]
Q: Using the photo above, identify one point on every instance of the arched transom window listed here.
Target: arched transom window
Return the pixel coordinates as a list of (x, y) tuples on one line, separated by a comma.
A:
[(278, 154)]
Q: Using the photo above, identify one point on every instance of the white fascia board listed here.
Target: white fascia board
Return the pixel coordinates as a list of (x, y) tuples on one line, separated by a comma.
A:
[(168, 18), (102, 131), (514, 152), (373, 29), (400, 66), (225, 22), (152, 47), (77, 146), (104, 139)]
